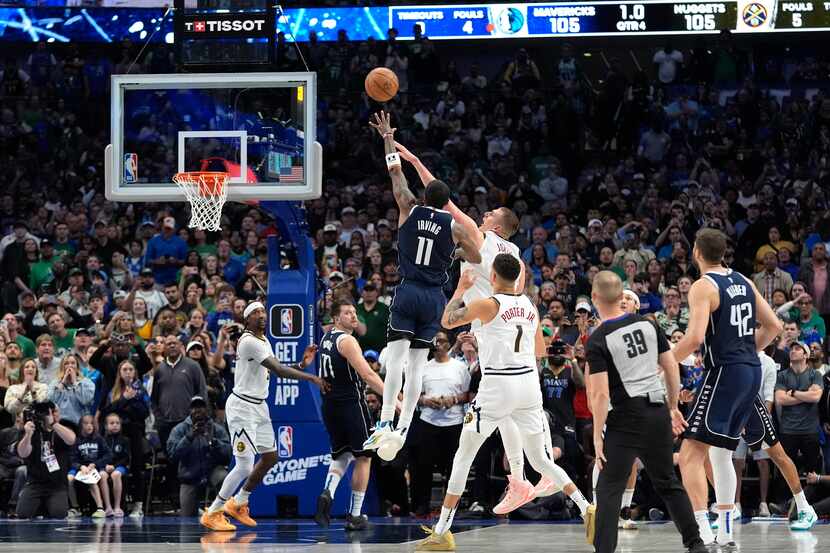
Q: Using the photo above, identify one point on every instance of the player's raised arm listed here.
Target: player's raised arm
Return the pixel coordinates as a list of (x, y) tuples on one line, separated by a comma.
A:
[(458, 216), (540, 347), (771, 325), (400, 188), (456, 315), (350, 349), (471, 250), (423, 172), (701, 295)]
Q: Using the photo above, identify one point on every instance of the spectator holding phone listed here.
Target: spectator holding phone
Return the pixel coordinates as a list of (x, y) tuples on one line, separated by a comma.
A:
[(111, 353)]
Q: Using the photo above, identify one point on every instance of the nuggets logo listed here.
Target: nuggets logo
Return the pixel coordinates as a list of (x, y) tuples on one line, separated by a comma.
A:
[(755, 14), (510, 21), (240, 447), (468, 418)]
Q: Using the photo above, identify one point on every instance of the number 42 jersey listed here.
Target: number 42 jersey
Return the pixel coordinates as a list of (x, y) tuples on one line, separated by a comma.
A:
[(730, 335)]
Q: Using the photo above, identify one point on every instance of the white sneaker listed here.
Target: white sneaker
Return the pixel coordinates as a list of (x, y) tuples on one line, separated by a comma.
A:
[(806, 520), (390, 444), (137, 512), (381, 429), (763, 510)]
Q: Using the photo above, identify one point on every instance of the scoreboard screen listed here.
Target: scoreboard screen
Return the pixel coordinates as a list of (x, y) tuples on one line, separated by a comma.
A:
[(626, 18)]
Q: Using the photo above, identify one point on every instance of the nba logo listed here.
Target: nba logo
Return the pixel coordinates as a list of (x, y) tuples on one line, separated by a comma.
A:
[(130, 168), (285, 442), (286, 321)]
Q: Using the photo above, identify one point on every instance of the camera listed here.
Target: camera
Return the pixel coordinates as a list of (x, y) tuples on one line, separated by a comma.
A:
[(234, 332), (556, 353), (37, 413)]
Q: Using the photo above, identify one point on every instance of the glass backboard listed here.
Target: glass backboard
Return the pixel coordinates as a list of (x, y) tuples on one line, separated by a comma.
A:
[(258, 127)]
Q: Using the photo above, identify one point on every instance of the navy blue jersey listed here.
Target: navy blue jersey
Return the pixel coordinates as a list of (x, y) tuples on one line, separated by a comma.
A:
[(426, 246), (335, 369), (730, 337)]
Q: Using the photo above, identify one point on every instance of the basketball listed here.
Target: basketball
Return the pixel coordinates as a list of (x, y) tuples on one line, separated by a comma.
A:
[(381, 84)]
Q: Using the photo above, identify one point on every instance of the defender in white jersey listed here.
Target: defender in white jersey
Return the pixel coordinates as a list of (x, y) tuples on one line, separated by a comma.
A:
[(511, 340), (249, 421), (493, 238)]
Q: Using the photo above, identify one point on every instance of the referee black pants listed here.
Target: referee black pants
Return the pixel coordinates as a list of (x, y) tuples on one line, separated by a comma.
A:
[(639, 429)]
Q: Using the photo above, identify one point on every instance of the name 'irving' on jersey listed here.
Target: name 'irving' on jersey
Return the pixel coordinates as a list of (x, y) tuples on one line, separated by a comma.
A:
[(426, 245)]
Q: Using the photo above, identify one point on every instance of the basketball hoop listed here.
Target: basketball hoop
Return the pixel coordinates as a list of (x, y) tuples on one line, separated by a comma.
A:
[(207, 193)]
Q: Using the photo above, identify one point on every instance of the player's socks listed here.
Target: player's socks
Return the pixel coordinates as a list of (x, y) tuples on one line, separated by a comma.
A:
[(628, 496), (357, 503), (241, 498), (702, 518), (332, 480), (801, 501), (217, 504), (725, 526), (580, 501), (445, 519)]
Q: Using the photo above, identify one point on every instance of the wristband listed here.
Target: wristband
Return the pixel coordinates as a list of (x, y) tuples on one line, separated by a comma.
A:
[(393, 160)]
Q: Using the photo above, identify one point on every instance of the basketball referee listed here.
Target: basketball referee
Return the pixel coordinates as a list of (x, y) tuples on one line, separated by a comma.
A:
[(623, 354)]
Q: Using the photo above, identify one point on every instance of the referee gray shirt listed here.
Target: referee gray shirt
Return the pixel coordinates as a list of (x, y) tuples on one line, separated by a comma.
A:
[(627, 348)]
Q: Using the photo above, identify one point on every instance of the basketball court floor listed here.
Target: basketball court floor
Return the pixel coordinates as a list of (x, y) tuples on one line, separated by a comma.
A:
[(155, 535)]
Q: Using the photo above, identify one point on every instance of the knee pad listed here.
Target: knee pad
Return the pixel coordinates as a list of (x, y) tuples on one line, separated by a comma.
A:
[(340, 464)]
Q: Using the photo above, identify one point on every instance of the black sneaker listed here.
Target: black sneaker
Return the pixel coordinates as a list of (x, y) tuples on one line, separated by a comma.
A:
[(730, 547), (354, 524), (323, 514), (698, 547)]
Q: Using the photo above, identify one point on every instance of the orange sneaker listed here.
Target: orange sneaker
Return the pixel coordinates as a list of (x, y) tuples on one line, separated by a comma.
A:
[(239, 512), (217, 522)]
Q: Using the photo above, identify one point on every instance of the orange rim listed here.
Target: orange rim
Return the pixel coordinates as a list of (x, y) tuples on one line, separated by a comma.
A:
[(211, 183)]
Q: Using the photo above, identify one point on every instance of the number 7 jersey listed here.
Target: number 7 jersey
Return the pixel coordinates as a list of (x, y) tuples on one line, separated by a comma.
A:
[(507, 344), (730, 335)]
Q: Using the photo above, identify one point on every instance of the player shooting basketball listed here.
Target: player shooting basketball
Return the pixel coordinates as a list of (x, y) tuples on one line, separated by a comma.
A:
[(426, 242)]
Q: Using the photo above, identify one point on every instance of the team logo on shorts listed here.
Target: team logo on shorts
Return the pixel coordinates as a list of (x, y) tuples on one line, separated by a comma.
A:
[(468, 418), (240, 446)]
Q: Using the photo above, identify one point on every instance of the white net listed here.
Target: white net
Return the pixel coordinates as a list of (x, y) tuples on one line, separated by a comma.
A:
[(207, 193)]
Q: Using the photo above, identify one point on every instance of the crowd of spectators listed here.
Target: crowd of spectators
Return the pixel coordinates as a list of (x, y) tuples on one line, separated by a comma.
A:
[(120, 322)]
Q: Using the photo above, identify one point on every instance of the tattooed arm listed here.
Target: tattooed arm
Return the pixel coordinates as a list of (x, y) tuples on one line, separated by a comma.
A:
[(400, 188), (456, 314)]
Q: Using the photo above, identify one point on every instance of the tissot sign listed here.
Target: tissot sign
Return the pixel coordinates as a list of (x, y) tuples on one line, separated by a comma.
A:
[(227, 25)]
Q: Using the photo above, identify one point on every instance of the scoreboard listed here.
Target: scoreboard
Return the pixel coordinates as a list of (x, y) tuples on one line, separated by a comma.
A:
[(602, 18)]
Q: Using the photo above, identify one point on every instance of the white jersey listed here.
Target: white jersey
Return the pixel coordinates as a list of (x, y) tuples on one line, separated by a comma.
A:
[(508, 342), (250, 377), (769, 370), (493, 245)]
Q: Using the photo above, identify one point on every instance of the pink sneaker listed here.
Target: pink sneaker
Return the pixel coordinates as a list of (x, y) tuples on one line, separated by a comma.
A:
[(519, 492), (545, 487)]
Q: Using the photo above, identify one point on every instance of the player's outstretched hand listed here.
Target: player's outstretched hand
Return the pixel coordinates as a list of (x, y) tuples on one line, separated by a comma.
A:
[(308, 355), (324, 386), (678, 423), (467, 279), (382, 123), (405, 153)]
